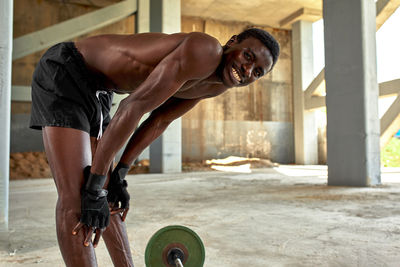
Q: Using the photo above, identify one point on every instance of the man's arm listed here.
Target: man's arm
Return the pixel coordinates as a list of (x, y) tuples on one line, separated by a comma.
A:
[(155, 125), (196, 57), (150, 129)]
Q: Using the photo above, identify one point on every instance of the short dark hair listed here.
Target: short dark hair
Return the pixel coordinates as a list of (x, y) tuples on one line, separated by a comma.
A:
[(266, 38)]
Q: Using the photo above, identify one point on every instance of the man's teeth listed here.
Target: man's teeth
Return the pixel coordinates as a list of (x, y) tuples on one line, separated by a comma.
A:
[(236, 75)]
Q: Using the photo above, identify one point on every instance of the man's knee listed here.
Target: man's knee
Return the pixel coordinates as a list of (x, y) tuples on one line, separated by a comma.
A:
[(68, 205)]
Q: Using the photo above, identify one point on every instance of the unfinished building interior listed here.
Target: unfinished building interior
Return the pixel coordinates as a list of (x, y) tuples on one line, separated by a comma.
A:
[(326, 200)]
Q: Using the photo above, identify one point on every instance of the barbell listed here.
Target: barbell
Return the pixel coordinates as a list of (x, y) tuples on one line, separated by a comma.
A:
[(175, 246)]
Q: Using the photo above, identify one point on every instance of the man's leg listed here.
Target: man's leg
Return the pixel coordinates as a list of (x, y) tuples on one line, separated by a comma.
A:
[(117, 242), (69, 152), (115, 235)]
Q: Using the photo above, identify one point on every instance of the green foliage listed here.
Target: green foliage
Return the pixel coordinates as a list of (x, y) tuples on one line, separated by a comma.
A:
[(390, 154)]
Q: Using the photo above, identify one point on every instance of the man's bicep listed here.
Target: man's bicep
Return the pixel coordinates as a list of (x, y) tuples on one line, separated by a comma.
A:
[(163, 82)]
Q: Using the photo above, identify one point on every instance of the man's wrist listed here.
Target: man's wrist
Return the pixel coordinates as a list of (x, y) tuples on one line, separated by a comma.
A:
[(96, 195), (95, 182), (122, 170)]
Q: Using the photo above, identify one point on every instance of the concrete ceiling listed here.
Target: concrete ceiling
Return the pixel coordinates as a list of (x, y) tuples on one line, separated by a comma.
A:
[(274, 13)]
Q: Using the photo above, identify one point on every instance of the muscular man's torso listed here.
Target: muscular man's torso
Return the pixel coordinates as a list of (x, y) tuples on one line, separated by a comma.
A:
[(123, 62)]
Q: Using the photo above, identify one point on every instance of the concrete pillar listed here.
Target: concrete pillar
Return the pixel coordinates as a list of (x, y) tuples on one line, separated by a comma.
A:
[(6, 24), (143, 16), (352, 93), (166, 151), (305, 128)]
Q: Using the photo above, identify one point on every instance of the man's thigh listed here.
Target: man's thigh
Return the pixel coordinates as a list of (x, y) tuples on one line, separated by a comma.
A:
[(68, 151)]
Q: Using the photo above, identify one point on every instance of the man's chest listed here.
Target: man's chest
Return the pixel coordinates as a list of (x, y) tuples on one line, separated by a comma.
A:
[(199, 89)]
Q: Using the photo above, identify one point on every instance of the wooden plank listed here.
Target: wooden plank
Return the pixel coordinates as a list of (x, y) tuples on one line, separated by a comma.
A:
[(389, 88), (314, 84), (69, 29), (314, 102), (384, 9), (94, 3)]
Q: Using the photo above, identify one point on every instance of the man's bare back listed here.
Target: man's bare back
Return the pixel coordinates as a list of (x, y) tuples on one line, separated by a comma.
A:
[(125, 61)]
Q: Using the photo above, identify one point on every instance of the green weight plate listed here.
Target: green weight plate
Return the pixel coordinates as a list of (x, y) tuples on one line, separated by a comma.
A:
[(174, 236)]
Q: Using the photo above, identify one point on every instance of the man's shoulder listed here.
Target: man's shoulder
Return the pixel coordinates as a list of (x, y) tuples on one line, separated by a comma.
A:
[(202, 48), (204, 44), (202, 39)]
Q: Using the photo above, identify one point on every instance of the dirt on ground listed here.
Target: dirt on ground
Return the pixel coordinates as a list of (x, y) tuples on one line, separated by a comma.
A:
[(30, 165)]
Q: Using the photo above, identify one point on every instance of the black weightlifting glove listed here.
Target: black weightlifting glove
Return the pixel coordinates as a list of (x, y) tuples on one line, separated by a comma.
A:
[(117, 192), (94, 206)]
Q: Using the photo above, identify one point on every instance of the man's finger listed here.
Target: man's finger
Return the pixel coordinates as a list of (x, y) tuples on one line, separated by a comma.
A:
[(88, 238), (77, 228), (99, 232), (124, 214)]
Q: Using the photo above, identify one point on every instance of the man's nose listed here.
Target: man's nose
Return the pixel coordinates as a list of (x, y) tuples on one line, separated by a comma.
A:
[(247, 69)]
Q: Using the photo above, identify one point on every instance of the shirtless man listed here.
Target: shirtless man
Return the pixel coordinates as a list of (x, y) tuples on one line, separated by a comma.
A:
[(166, 75)]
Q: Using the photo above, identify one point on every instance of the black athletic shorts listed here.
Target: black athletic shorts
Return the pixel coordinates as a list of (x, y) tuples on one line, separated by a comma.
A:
[(66, 94)]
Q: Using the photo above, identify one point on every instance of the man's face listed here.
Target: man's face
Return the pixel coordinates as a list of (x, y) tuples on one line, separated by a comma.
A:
[(245, 62)]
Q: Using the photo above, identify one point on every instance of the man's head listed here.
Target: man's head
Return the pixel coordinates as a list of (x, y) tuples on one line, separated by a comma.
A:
[(248, 56), (266, 38)]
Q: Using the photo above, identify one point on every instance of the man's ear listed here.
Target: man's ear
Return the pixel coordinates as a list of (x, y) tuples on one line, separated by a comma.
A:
[(232, 40)]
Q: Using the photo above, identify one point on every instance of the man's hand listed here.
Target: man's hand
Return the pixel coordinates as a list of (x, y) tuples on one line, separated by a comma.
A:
[(118, 196), (95, 214)]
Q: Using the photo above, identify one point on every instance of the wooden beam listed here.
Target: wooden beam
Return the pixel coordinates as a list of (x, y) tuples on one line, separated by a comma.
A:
[(307, 14), (389, 88), (72, 28), (93, 3), (384, 9), (314, 102), (390, 122), (386, 89), (314, 84)]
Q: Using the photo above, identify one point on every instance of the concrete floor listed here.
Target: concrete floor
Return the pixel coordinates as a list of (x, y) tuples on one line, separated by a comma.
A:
[(285, 216)]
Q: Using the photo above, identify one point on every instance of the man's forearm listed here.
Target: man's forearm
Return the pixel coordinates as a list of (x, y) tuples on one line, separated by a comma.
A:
[(148, 131), (124, 123), (155, 125), (115, 136)]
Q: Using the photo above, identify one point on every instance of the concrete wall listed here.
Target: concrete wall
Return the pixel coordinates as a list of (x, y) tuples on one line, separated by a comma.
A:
[(252, 121), (255, 120)]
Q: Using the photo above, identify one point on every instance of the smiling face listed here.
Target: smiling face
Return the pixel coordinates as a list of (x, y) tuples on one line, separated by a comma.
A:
[(244, 62)]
